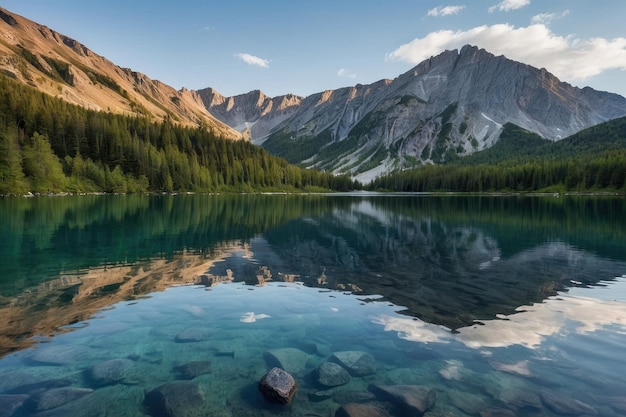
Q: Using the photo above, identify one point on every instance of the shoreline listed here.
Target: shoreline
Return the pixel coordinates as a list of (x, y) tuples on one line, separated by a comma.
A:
[(353, 193)]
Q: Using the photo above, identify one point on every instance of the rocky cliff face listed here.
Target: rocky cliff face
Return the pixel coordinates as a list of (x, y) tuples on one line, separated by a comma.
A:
[(253, 114), (65, 68), (450, 105)]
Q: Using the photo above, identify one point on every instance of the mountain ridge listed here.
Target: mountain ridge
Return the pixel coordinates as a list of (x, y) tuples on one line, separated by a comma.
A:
[(63, 67), (450, 105), (245, 112)]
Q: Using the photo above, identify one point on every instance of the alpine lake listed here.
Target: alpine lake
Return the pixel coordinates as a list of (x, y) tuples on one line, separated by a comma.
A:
[(376, 304)]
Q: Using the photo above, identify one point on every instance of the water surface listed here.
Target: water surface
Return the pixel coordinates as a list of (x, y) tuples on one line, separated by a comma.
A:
[(498, 305)]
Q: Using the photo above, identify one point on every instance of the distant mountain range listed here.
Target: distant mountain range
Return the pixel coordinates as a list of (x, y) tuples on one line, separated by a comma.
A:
[(450, 105), (62, 67)]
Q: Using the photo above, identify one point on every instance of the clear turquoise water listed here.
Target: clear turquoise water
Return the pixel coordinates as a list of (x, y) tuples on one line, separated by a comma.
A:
[(493, 302)]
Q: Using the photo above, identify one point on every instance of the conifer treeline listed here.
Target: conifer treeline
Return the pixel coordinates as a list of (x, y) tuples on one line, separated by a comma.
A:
[(48, 145), (592, 160), (598, 174)]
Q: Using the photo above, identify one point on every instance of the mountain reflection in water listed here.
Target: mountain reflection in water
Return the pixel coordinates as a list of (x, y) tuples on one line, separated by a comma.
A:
[(449, 261), (498, 303)]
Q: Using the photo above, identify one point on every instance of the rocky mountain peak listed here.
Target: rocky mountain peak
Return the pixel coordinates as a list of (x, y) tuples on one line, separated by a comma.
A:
[(447, 106), (254, 113), (212, 98), (283, 103)]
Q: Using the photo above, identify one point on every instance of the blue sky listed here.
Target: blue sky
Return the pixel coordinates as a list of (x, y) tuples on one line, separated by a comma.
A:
[(304, 47)]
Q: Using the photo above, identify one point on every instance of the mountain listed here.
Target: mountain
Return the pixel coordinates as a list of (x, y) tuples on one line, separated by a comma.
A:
[(450, 105), (62, 67), (254, 114)]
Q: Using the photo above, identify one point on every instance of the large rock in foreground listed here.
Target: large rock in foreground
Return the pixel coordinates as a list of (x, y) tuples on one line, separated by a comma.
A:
[(414, 400), (278, 386), (176, 399)]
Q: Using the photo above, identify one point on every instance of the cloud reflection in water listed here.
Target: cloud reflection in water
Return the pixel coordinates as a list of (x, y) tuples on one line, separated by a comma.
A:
[(528, 327)]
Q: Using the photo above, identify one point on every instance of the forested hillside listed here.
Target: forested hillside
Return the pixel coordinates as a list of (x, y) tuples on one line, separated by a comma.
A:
[(48, 145), (591, 160)]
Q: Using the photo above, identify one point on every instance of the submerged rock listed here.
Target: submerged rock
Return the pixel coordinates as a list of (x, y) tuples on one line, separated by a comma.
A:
[(356, 362), (60, 355), (195, 334), (176, 399), (497, 412), (566, 405), (56, 397), (331, 374), (39, 387), (415, 400), (278, 386), (344, 397), (10, 403), (466, 402), (442, 413), (190, 370), (290, 359), (520, 399), (617, 403), (361, 410), (111, 372), (318, 396)]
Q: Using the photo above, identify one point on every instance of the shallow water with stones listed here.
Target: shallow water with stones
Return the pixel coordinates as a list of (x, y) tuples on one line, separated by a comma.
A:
[(493, 306)]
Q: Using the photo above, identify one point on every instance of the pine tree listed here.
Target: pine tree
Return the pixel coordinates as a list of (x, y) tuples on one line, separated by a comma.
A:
[(12, 179)]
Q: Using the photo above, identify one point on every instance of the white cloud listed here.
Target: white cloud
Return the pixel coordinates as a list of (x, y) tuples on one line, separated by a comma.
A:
[(344, 73), (254, 60), (568, 58), (445, 10), (508, 5), (545, 18)]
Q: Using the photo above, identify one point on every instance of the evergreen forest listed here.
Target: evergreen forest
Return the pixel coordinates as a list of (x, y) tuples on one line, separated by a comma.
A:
[(50, 146), (593, 160)]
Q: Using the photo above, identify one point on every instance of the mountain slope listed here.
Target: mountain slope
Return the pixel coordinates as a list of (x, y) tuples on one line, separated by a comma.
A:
[(62, 67), (593, 159), (518, 146), (450, 105)]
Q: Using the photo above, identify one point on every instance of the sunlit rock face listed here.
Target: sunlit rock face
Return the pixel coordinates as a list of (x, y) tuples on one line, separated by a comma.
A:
[(452, 104)]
